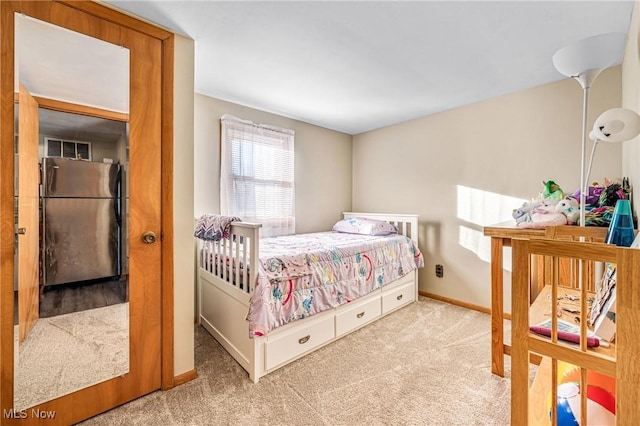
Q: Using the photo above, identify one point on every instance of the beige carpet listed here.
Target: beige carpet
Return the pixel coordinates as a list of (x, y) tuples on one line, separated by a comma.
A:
[(68, 352), (426, 364)]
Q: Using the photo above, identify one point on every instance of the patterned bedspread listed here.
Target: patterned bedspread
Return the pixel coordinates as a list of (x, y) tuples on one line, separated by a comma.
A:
[(301, 275)]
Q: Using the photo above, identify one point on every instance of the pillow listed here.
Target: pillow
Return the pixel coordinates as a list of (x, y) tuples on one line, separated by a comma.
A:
[(360, 225)]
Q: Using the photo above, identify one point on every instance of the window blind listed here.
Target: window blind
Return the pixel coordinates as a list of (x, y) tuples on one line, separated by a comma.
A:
[(257, 174)]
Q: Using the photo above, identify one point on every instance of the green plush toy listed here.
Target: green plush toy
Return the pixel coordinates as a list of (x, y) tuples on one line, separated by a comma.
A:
[(552, 191)]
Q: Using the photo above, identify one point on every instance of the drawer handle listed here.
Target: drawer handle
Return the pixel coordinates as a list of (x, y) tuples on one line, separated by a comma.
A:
[(304, 339), (399, 297), (360, 315)]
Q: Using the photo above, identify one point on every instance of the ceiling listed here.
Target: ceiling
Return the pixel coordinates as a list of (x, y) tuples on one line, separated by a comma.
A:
[(348, 66), (56, 63), (61, 64), (360, 65)]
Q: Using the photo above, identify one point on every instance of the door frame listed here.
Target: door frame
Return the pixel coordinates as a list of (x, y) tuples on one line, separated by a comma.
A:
[(7, 44)]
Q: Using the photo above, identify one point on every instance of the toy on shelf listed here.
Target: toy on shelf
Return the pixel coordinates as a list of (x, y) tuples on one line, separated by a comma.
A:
[(562, 213), (600, 202), (601, 397), (551, 194), (552, 191), (601, 405)]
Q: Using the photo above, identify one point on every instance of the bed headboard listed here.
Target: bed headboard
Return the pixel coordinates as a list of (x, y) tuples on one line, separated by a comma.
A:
[(407, 224)]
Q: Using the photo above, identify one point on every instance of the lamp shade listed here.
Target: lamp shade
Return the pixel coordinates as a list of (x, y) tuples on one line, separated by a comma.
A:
[(616, 125), (586, 58)]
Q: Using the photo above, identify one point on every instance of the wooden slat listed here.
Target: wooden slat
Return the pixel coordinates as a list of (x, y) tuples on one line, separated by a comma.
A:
[(236, 260), (245, 265), (520, 332), (591, 251), (627, 337), (589, 359), (497, 309)]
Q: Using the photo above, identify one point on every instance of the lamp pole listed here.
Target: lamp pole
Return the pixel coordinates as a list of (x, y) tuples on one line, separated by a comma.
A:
[(583, 178)]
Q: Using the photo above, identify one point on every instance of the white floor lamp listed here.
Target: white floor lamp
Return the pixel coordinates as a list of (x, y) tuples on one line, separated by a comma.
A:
[(583, 61)]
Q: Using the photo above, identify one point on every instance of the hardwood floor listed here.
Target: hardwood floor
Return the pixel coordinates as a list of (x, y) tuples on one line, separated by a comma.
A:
[(67, 298)]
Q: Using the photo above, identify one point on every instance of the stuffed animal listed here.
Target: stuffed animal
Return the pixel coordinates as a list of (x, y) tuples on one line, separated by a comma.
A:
[(543, 216), (570, 207), (552, 191), (593, 195), (611, 194), (550, 195), (523, 214)]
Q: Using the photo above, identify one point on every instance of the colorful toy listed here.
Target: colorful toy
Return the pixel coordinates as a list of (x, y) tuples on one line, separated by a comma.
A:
[(523, 214), (601, 401), (550, 195), (570, 207), (594, 378), (601, 405), (543, 216), (593, 195), (611, 194), (552, 191)]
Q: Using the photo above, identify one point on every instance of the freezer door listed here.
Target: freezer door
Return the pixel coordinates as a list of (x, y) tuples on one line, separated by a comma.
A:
[(76, 178), (80, 239)]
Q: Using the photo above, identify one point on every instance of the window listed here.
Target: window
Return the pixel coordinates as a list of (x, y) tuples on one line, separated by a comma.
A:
[(257, 175), (67, 149)]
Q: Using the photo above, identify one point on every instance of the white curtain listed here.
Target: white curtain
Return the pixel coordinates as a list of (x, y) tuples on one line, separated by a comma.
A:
[(257, 175)]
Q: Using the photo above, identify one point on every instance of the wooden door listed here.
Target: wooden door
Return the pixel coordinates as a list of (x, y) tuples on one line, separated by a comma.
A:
[(145, 190), (28, 213)]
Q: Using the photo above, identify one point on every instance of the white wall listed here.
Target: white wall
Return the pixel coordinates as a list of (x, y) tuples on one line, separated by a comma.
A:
[(322, 164), (631, 100), (468, 167), (183, 176)]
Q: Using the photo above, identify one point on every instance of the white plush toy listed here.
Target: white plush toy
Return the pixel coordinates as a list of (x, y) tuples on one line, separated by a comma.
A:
[(563, 212), (543, 216), (570, 207)]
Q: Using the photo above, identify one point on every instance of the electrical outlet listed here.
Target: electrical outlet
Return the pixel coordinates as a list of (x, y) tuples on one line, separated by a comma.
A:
[(439, 270)]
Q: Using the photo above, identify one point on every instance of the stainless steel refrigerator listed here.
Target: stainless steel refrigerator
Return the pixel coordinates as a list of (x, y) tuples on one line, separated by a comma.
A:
[(82, 220)]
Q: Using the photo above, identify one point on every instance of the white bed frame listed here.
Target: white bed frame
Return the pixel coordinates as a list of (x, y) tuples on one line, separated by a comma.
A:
[(223, 305)]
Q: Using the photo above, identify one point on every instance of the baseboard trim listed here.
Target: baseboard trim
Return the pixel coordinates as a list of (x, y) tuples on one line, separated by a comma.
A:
[(183, 378), (460, 303)]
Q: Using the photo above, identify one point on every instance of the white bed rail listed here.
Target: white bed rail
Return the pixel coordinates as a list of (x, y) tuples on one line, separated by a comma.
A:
[(227, 259), (407, 224)]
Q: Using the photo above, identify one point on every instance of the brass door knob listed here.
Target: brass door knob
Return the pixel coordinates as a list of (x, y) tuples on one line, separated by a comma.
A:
[(149, 237)]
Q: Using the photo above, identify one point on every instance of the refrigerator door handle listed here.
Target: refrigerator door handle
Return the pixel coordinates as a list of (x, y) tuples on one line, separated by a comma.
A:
[(51, 178), (117, 206)]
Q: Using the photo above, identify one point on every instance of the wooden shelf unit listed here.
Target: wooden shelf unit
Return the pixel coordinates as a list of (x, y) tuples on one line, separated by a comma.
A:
[(501, 236), (618, 361)]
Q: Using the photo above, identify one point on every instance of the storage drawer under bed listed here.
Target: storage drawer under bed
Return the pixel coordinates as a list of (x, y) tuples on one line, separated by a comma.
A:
[(290, 344), (398, 296), (357, 315)]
